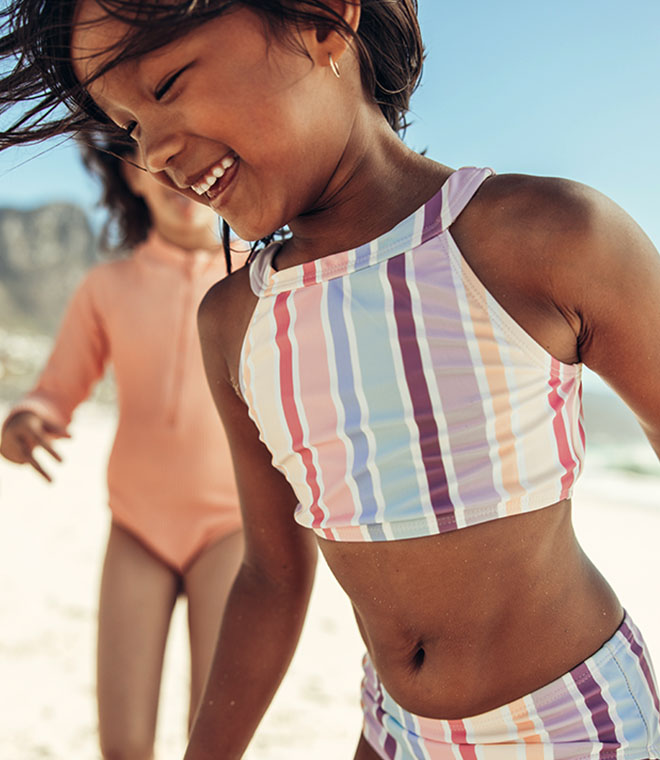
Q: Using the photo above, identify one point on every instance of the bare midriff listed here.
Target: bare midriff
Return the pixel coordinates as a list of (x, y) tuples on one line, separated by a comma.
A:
[(463, 622)]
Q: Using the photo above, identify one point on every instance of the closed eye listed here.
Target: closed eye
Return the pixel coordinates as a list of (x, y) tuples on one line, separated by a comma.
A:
[(130, 127), (161, 91)]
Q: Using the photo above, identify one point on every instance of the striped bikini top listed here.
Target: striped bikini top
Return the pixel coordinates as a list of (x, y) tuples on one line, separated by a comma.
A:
[(397, 396)]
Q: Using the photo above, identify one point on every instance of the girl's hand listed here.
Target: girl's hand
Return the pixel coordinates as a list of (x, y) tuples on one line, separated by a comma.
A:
[(23, 432)]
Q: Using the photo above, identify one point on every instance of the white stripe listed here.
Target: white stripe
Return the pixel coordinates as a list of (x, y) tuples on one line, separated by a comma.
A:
[(539, 727), (268, 393), (509, 722), (575, 413), (374, 248), (418, 227), (446, 195), (515, 403), (477, 366), (248, 357)]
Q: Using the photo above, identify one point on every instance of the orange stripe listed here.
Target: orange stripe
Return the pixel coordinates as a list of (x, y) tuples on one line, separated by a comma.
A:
[(500, 396)]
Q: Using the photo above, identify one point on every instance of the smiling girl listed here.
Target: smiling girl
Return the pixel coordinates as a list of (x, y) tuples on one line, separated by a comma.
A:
[(176, 525), (399, 377)]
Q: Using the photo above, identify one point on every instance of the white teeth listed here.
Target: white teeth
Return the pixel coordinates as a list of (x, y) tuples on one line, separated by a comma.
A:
[(215, 174)]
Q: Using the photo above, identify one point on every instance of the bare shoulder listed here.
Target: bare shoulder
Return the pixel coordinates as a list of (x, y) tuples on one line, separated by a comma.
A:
[(223, 317), (541, 210), (551, 216), (553, 252)]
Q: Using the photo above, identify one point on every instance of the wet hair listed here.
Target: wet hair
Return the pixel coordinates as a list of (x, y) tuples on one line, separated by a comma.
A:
[(129, 219), (36, 37)]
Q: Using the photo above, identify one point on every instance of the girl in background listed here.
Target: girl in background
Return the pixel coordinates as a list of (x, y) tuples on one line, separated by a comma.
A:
[(408, 358), (175, 516)]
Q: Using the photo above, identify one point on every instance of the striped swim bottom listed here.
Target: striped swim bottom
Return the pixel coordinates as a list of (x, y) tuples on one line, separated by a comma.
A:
[(607, 708)]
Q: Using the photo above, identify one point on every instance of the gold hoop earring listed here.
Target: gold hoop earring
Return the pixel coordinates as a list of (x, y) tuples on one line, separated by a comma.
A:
[(334, 67)]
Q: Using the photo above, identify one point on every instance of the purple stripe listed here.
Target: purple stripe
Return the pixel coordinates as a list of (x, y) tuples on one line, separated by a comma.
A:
[(600, 714), (390, 742), (419, 393), (459, 390), (432, 212), (640, 652)]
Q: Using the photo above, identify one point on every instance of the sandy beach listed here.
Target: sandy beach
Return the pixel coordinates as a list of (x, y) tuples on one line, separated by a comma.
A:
[(51, 547)]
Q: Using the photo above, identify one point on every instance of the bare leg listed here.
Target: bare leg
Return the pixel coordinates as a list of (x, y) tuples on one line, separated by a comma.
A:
[(138, 593), (207, 583), (365, 751)]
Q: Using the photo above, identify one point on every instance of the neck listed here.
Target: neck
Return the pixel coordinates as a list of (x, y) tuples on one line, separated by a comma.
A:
[(379, 182), (190, 241)]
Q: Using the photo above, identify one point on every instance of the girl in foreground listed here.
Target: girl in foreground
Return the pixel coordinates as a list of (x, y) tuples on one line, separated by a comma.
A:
[(175, 514), (408, 359)]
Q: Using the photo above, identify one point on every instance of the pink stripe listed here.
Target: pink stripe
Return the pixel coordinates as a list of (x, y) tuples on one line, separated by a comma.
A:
[(320, 414), (308, 272), (459, 738), (331, 264), (561, 436), (583, 436), (283, 322)]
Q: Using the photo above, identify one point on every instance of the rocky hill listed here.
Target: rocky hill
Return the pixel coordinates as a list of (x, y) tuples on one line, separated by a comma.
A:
[(43, 253)]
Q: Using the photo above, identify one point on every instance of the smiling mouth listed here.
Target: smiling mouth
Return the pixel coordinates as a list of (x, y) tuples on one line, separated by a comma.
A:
[(209, 184)]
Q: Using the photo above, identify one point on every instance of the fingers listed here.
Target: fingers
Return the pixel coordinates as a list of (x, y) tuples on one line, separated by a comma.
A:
[(26, 431), (40, 440), (33, 463), (20, 450)]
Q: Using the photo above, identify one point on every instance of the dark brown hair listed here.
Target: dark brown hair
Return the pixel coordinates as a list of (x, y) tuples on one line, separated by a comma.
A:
[(129, 219), (36, 36)]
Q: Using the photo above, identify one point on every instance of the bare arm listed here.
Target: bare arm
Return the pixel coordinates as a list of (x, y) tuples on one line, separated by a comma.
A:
[(614, 290), (578, 274), (266, 608)]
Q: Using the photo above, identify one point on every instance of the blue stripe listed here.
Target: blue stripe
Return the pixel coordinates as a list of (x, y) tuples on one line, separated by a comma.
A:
[(349, 401), (394, 443)]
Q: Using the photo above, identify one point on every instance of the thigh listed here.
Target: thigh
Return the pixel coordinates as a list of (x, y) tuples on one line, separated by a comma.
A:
[(138, 592), (207, 583)]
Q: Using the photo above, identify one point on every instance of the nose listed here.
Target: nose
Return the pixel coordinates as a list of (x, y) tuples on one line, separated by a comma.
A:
[(160, 148)]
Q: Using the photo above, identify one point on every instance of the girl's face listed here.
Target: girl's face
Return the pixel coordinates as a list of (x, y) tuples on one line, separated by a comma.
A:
[(227, 114), (180, 220)]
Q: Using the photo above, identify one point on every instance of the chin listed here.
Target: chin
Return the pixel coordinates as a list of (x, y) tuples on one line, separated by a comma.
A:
[(247, 230)]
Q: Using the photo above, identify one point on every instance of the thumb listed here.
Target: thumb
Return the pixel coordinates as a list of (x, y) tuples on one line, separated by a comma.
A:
[(52, 428)]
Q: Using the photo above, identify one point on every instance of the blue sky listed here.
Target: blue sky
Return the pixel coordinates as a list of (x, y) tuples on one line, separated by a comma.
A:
[(568, 88)]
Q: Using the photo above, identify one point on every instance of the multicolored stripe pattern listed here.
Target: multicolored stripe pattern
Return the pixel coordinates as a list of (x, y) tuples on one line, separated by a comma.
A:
[(604, 709), (397, 396)]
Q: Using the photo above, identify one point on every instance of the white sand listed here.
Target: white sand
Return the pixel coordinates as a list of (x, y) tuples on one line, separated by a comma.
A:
[(51, 545)]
